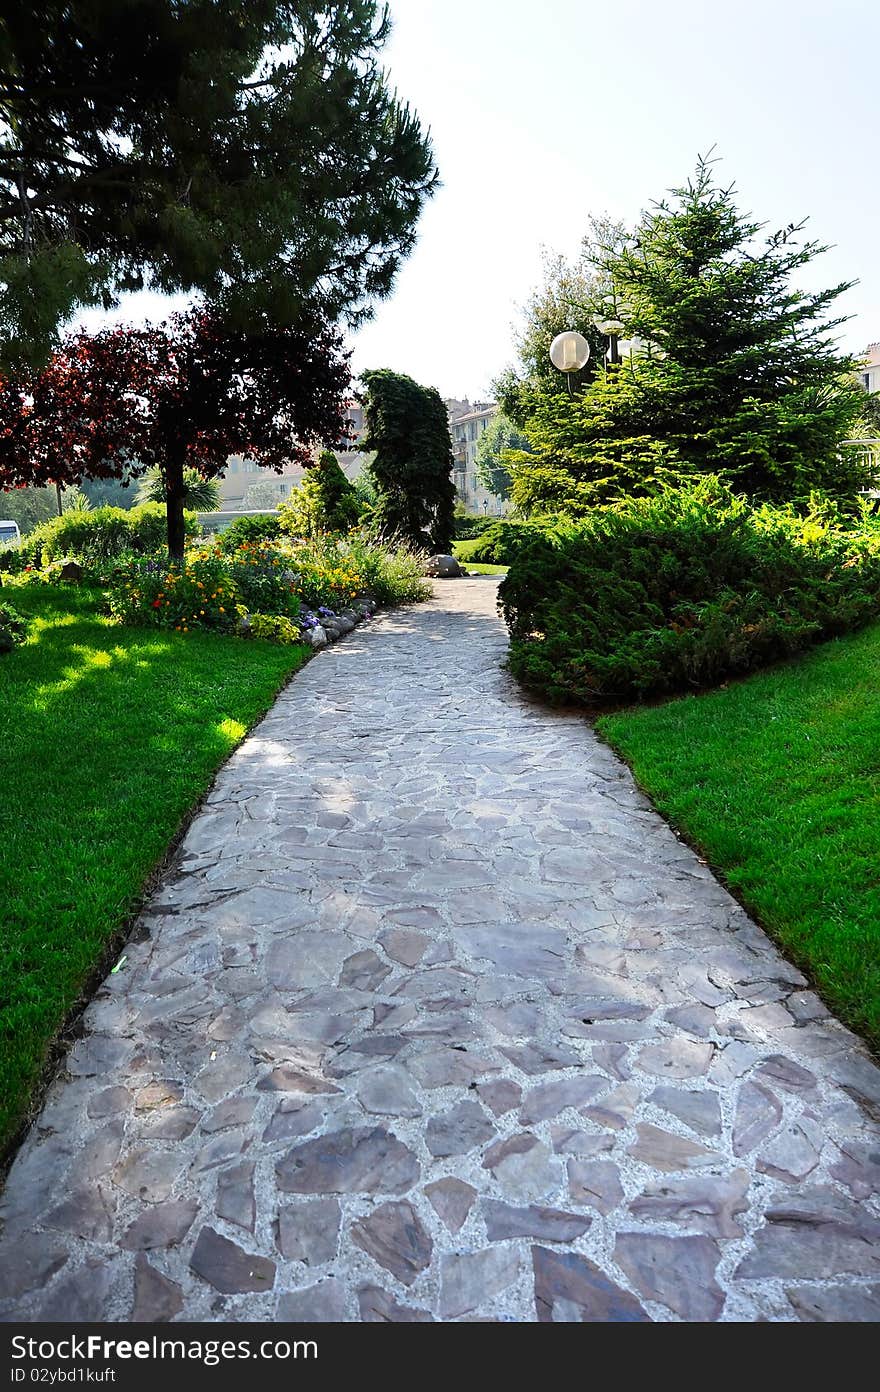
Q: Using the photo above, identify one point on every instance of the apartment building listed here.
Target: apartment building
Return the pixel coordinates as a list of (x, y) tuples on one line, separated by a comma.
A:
[(467, 422), (869, 368)]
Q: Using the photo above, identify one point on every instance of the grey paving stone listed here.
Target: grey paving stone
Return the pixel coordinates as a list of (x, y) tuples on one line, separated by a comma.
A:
[(452, 1200), (379, 1307), (463, 1128), (549, 1224), (471, 1279), (309, 1231), (395, 1237), (353, 1160), (323, 1303), (701, 1111), (570, 1289), (679, 1272), (157, 1298), (228, 1267), (710, 1204), (162, 1225)]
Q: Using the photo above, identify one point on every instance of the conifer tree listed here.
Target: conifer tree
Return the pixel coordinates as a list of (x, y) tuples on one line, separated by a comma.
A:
[(408, 427)]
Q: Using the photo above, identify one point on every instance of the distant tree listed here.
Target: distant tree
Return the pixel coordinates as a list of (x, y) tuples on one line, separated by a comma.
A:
[(260, 495), (740, 374), (109, 492), (253, 152), (28, 506), (116, 403), (408, 428), (199, 494), (324, 502), (500, 436)]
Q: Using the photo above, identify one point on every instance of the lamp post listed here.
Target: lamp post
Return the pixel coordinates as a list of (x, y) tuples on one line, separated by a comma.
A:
[(612, 329), (569, 352)]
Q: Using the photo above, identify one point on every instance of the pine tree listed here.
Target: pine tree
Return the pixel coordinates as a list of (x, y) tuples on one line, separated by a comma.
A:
[(739, 374), (408, 427), (254, 152)]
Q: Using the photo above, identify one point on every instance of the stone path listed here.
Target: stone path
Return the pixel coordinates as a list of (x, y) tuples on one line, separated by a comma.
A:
[(436, 1019)]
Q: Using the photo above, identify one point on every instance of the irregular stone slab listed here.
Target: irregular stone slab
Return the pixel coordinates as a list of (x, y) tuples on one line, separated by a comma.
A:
[(294, 1117), (309, 1232), (858, 1167), (524, 1167), (569, 1141), (169, 1124), (378, 1307), (538, 1058), (549, 1224), (701, 1111), (157, 1298), (87, 1213), (223, 1075), (794, 1153), (703, 1203), (163, 1093), (616, 1108), (676, 1058), (779, 1071), (37, 1258), (471, 1279), (235, 1111), (569, 1289), (364, 971), (320, 1304), (679, 1272), (443, 1067), (227, 1267), (353, 1160), (665, 1151), (836, 1304), (548, 1099), (464, 1127), (148, 1174), (817, 1234), (406, 947), (595, 1182), (501, 1096), (286, 1078), (236, 1201), (82, 1296), (163, 1225), (758, 1113), (393, 1235), (387, 1091), (109, 1102), (308, 958), (532, 949), (451, 1200)]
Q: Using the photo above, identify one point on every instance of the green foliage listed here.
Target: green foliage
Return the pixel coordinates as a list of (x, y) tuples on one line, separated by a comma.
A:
[(392, 575), (466, 526), (12, 628), (199, 494), (254, 152), (273, 628), (738, 374), (408, 428), (500, 542), (324, 502), (257, 529), (101, 534), (776, 780), (683, 589), (499, 437)]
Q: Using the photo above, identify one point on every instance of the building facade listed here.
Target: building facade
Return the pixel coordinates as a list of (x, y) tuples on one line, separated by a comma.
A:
[(467, 423), (869, 368)]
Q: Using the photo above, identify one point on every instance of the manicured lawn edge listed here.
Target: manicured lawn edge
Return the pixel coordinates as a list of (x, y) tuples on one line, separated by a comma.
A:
[(25, 1086), (775, 782)]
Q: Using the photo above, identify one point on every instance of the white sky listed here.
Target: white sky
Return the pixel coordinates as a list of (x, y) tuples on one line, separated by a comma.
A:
[(542, 113)]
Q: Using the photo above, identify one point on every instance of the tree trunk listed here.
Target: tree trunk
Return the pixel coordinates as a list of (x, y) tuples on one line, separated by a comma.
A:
[(58, 498), (174, 505)]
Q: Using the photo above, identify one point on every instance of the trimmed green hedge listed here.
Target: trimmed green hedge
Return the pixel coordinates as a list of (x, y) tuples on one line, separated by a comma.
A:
[(679, 591), (102, 534), (501, 541)]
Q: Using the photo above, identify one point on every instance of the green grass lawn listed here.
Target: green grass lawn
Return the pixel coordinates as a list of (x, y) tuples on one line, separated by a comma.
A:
[(777, 780), (108, 737), (478, 568)]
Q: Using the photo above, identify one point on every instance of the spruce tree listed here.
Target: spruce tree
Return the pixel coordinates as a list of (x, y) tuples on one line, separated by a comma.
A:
[(738, 373), (408, 427)]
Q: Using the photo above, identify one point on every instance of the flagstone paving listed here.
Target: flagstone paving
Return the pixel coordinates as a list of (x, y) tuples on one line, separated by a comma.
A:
[(436, 1019)]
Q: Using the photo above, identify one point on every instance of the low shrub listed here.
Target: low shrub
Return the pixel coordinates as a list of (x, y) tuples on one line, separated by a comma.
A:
[(274, 628), (12, 628), (391, 574), (681, 590), (466, 527), (12, 560), (267, 527), (500, 542), (103, 534)]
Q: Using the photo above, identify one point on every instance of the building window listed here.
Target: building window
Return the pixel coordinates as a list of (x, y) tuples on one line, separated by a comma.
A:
[(866, 379)]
